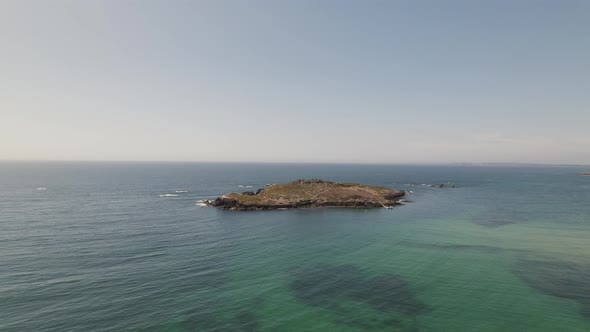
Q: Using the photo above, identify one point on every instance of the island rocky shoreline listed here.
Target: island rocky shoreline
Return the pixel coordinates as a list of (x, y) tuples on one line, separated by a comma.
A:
[(313, 193)]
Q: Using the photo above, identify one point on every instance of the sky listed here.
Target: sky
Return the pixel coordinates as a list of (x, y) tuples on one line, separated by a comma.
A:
[(296, 81)]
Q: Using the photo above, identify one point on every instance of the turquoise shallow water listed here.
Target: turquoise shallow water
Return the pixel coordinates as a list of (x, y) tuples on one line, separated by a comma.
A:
[(103, 248)]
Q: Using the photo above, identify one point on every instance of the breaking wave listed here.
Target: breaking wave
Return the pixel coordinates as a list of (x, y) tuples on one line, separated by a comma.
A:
[(201, 203)]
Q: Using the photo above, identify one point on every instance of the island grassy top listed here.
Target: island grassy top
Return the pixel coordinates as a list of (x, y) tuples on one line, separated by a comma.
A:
[(311, 193)]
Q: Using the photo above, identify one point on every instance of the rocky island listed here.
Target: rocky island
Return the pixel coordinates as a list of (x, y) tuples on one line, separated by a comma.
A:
[(584, 173), (311, 193)]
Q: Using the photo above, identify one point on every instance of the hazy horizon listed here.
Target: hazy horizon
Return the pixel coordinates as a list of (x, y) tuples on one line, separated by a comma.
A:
[(254, 162), (421, 82)]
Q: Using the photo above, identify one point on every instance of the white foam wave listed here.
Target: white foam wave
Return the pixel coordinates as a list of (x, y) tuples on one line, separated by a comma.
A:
[(41, 188), (181, 191), (168, 195), (201, 203)]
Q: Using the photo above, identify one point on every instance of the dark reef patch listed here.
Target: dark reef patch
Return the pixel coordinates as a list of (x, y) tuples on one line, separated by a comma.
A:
[(499, 218), (246, 321), (387, 293), (209, 317), (493, 223), (201, 319), (451, 246), (329, 286), (557, 278), (363, 323)]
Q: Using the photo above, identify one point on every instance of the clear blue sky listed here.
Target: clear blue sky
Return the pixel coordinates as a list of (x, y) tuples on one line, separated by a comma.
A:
[(304, 81)]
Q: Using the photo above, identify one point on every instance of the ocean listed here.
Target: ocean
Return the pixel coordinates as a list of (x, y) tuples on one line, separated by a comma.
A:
[(91, 246)]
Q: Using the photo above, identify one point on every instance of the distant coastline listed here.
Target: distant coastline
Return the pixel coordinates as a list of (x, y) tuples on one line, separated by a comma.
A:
[(254, 162)]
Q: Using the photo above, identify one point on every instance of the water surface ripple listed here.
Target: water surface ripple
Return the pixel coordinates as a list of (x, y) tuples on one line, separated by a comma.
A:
[(126, 247)]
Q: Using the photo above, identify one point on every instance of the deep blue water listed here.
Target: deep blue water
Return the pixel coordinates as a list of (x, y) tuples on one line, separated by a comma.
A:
[(126, 247)]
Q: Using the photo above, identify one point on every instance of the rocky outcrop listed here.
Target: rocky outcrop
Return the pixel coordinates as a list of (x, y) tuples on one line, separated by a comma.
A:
[(313, 193), (435, 185), (441, 185), (232, 204), (584, 173)]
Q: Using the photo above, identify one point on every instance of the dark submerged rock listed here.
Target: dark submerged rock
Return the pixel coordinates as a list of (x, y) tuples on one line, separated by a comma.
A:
[(493, 223), (499, 218), (329, 285), (247, 321), (557, 278), (214, 315), (451, 246)]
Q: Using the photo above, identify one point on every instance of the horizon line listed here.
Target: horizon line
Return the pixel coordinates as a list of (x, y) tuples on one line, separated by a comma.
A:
[(458, 163)]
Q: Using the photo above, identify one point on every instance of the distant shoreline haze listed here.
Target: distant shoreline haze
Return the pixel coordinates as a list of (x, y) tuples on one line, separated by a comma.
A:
[(303, 163)]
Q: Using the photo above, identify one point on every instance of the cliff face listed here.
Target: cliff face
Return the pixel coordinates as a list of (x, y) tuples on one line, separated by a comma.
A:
[(311, 194)]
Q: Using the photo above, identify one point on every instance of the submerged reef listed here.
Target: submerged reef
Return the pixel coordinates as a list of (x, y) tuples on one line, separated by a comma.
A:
[(562, 279), (330, 285)]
